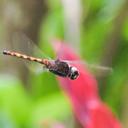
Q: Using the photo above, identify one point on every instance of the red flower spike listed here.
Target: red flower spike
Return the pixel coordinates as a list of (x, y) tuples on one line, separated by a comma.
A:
[(83, 94)]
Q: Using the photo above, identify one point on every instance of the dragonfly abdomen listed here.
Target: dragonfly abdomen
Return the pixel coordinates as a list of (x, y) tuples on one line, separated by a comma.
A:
[(23, 56)]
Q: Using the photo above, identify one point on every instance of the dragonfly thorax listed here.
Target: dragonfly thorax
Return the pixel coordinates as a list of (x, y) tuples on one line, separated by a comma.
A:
[(63, 69)]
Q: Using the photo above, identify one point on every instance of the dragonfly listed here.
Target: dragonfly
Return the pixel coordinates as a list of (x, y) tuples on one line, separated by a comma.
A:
[(58, 67)]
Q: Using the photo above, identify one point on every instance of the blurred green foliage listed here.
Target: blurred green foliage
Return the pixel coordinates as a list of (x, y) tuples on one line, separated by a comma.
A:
[(20, 108)]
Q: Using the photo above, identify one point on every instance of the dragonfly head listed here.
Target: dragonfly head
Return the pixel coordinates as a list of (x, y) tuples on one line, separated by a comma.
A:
[(73, 73)]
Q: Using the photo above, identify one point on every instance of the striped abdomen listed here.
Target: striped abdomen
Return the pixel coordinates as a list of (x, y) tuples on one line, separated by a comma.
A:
[(30, 58)]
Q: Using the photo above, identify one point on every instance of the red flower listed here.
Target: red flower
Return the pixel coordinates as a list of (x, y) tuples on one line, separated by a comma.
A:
[(83, 94)]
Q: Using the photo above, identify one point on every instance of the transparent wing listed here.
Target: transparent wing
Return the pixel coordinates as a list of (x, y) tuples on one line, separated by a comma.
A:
[(26, 45), (94, 67), (22, 44), (36, 69)]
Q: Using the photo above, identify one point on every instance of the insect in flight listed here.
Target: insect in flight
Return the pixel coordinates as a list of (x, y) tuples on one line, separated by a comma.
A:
[(57, 67)]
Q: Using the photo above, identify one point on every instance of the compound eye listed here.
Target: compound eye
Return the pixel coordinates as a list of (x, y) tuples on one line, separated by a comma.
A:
[(73, 77), (74, 73)]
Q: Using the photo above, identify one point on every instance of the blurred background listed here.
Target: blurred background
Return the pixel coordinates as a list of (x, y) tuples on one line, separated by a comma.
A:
[(97, 30)]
